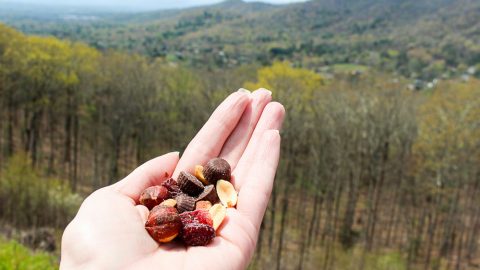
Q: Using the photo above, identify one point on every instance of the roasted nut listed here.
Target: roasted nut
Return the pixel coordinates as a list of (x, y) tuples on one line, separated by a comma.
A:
[(217, 169), (153, 196), (204, 205), (185, 203), (189, 184), (172, 187), (209, 194), (218, 213), (199, 174), (169, 202), (227, 194), (163, 224), (197, 234)]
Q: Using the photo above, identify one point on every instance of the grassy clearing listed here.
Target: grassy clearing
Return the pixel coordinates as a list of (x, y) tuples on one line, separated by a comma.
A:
[(14, 256)]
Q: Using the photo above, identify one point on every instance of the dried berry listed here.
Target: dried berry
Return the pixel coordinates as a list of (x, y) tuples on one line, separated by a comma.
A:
[(227, 194), (199, 174), (197, 216), (189, 184), (185, 203), (153, 196), (197, 234), (204, 205), (172, 187), (218, 213), (217, 169), (209, 194), (163, 224), (169, 202)]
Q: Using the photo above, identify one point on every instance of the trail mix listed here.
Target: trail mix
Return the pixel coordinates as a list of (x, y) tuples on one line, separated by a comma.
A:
[(191, 208)]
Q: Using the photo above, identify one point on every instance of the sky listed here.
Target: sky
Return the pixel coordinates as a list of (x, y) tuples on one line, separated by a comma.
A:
[(141, 4)]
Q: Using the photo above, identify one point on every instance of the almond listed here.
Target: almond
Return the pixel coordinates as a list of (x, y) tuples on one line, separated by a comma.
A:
[(169, 202), (199, 174), (205, 205), (227, 193), (218, 213)]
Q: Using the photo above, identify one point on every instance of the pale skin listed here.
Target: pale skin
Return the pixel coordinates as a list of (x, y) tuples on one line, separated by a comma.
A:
[(108, 231)]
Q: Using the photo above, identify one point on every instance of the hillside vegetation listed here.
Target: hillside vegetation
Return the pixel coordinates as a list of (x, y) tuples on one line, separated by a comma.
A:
[(372, 175), (417, 39)]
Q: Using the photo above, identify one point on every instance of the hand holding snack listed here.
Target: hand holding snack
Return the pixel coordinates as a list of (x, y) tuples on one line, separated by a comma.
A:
[(196, 220)]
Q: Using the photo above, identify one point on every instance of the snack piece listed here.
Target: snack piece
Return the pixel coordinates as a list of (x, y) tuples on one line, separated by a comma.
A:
[(218, 213), (185, 203), (199, 174), (172, 187), (169, 202), (209, 194), (197, 216), (217, 169), (227, 193), (153, 196), (189, 184), (197, 234), (204, 205), (163, 224)]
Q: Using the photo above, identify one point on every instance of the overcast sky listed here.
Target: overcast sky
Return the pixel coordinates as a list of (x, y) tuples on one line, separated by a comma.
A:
[(140, 4)]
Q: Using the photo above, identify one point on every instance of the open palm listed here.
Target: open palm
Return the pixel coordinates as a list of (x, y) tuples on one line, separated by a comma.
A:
[(108, 231)]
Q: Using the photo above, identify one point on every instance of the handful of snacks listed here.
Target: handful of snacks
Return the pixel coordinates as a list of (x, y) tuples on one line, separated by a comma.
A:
[(192, 207)]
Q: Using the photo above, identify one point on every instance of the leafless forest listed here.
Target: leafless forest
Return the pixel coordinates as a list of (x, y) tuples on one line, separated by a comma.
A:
[(372, 175)]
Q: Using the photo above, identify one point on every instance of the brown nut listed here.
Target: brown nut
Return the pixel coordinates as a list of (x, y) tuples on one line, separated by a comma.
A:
[(189, 184), (217, 169), (185, 203), (227, 193), (163, 224), (199, 174), (153, 196), (204, 205), (169, 202), (218, 213), (209, 194)]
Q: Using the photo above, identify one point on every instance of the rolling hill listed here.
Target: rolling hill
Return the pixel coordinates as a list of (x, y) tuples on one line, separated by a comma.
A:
[(418, 39)]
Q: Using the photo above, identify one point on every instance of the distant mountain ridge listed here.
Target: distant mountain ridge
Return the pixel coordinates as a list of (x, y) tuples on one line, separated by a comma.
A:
[(414, 38)]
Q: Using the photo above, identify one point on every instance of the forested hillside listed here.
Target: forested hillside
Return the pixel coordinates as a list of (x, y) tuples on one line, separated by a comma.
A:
[(417, 39), (372, 175)]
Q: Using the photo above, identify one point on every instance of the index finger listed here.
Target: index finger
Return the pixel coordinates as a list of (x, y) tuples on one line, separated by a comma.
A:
[(210, 139)]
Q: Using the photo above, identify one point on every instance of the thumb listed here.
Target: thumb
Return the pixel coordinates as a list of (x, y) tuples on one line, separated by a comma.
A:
[(152, 172)]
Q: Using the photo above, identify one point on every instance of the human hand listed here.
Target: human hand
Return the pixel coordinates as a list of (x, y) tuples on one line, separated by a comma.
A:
[(108, 231)]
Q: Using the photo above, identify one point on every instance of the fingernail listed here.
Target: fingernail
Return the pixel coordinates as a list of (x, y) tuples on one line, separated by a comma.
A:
[(266, 90), (243, 90), (274, 132)]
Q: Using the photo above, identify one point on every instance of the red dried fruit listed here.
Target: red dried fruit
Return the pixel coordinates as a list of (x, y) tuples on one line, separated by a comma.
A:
[(197, 234), (198, 216), (163, 223), (172, 187), (153, 196)]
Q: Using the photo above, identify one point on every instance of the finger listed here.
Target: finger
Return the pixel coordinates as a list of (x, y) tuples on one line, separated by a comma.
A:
[(259, 176), (238, 140), (210, 139), (143, 212), (242, 224), (271, 119), (152, 172)]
